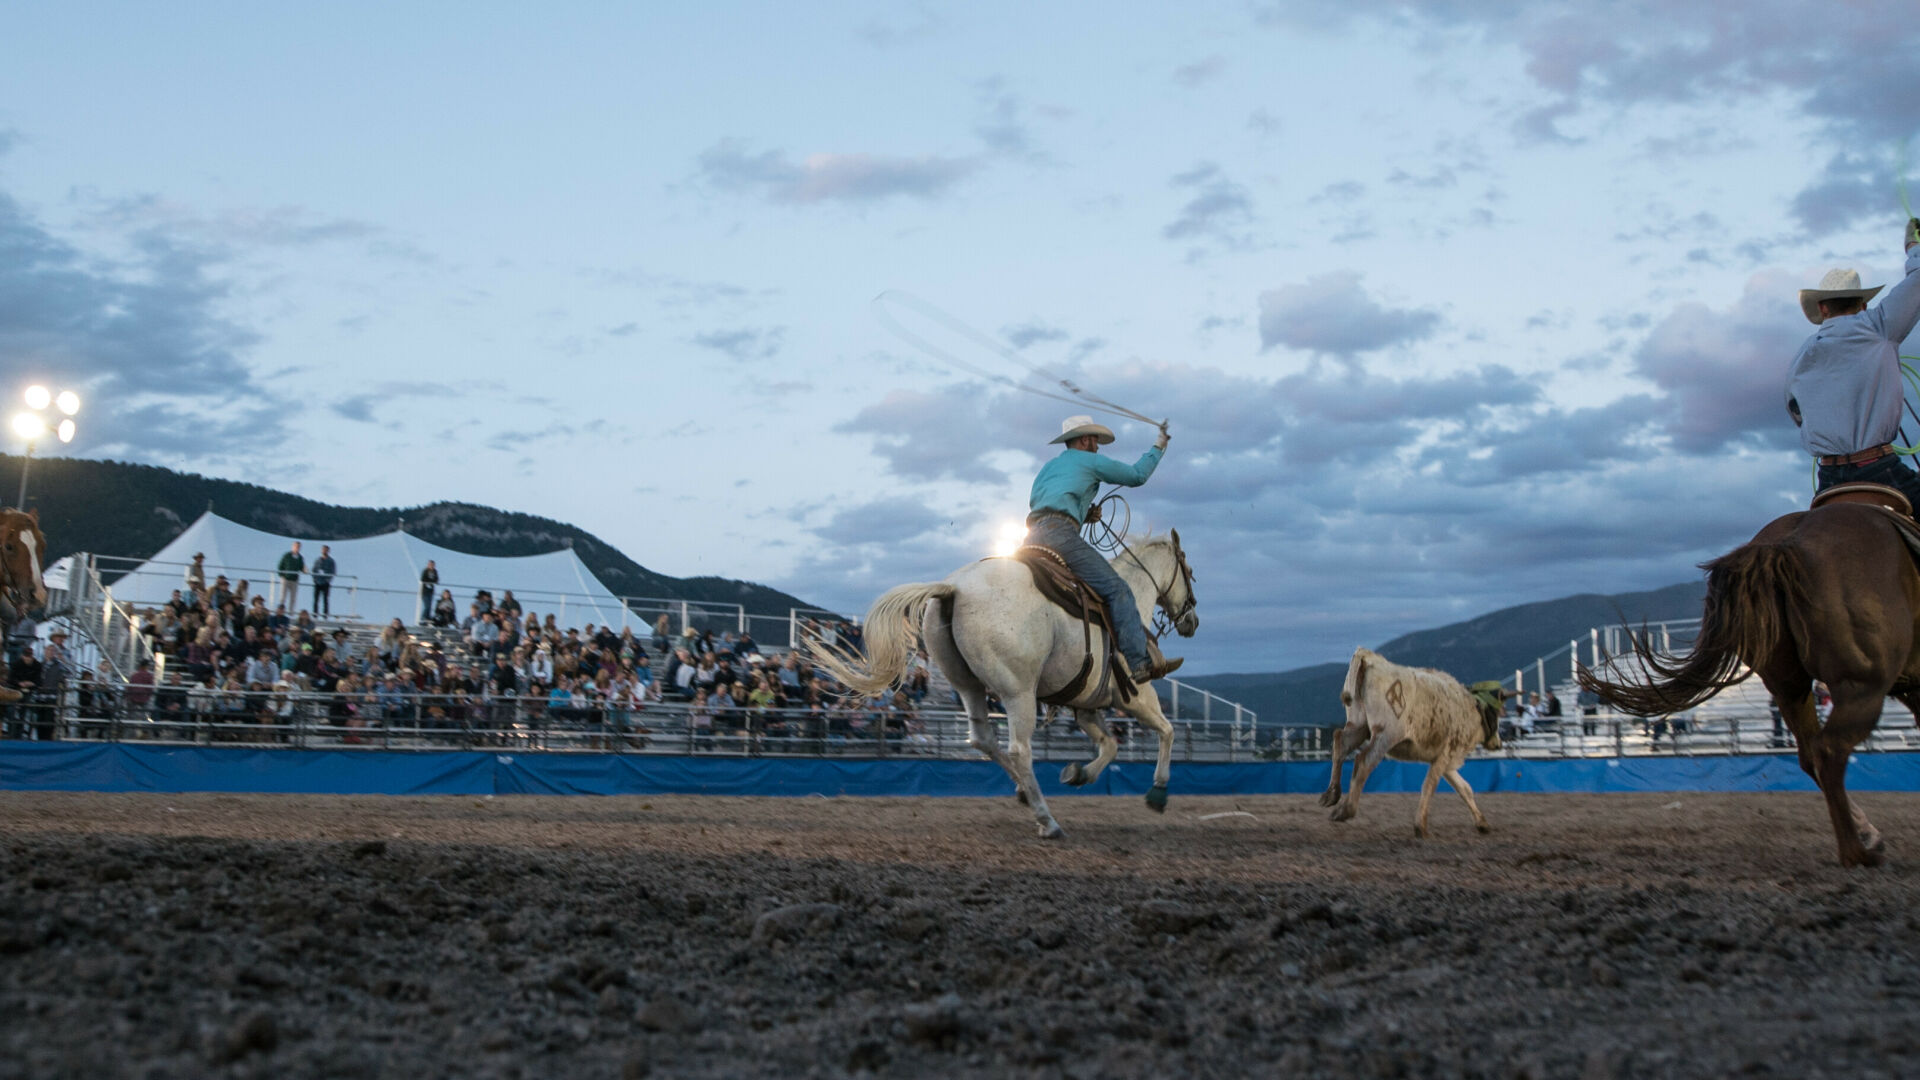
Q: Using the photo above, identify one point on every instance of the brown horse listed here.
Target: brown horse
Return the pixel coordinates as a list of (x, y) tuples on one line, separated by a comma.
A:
[(23, 548), (1829, 594)]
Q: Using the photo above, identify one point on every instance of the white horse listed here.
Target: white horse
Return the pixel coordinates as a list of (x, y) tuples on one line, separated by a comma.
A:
[(992, 632)]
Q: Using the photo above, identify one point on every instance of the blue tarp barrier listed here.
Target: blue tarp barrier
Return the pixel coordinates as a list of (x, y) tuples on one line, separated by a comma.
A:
[(135, 767)]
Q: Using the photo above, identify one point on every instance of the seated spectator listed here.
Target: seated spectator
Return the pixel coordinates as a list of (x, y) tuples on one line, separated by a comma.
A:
[(642, 674), (261, 673), (393, 641), (508, 605), (484, 635), (444, 610)]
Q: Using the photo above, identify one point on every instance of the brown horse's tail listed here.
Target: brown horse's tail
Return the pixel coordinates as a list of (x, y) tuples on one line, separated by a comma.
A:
[(1745, 619)]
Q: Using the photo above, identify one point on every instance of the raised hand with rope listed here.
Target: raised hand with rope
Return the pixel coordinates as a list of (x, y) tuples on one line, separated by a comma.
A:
[(1062, 502)]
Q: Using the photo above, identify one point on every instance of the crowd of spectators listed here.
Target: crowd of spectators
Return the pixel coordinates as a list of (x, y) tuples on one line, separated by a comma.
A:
[(232, 660)]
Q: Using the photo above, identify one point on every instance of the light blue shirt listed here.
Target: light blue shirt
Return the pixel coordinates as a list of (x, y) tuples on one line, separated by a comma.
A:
[(1069, 482), (1847, 376)]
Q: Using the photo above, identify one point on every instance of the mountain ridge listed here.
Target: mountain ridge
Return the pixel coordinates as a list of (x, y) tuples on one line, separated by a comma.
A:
[(127, 509), (1487, 646)]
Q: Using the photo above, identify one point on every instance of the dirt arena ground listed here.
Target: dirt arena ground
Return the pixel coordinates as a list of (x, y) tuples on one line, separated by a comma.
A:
[(1588, 936)]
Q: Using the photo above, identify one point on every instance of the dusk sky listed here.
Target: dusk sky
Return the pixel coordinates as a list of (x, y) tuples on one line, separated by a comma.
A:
[(1452, 305)]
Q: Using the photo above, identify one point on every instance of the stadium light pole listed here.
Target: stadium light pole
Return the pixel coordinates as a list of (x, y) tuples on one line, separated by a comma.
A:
[(32, 424)]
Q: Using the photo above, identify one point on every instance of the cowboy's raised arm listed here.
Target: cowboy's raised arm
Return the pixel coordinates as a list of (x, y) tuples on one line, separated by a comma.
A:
[(1119, 472), (1899, 310)]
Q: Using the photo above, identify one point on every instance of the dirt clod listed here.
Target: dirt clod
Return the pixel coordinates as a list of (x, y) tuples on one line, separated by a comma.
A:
[(796, 920)]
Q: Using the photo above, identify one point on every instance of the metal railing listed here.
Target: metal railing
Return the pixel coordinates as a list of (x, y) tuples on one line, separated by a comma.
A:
[(182, 715), (569, 608)]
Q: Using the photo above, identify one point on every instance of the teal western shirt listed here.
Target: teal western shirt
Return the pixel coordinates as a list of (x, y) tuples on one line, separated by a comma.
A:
[(1069, 482)]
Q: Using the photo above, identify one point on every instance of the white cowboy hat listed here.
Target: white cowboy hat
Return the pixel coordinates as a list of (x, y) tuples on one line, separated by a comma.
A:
[(1837, 285), (1075, 426)]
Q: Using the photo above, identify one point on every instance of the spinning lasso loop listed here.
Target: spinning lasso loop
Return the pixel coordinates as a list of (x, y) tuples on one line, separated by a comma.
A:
[(1078, 395)]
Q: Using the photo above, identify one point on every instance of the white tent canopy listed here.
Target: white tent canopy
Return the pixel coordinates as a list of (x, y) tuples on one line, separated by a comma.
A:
[(378, 577)]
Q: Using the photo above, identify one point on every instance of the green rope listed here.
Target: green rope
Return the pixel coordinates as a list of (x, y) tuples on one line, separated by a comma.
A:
[(1904, 204), (1906, 370)]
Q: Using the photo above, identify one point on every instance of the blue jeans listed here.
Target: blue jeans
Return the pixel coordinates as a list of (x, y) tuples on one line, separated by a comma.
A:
[(1888, 470), (1058, 532)]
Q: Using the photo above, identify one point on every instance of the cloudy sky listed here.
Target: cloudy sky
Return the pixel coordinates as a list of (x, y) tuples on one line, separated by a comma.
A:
[(1451, 305)]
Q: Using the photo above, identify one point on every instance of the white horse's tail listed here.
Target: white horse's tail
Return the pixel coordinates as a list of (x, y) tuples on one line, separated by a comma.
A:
[(892, 630)]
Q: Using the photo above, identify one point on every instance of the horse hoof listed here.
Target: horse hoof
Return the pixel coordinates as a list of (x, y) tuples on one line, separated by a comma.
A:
[(1051, 831), (1343, 812), (1329, 797), (1157, 798), (1484, 828), (1074, 775), (1420, 832)]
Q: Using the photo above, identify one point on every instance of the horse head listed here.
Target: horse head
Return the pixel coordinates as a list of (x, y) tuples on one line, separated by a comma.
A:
[(22, 545), (1176, 596)]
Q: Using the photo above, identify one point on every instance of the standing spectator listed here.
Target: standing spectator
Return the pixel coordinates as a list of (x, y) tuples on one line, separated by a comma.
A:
[(197, 576), (429, 581), (700, 721), (170, 701), (323, 571), (662, 630), (23, 634), (509, 607), (287, 583), (139, 689)]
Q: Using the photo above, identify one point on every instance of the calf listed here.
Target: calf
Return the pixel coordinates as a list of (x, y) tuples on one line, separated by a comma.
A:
[(1409, 714)]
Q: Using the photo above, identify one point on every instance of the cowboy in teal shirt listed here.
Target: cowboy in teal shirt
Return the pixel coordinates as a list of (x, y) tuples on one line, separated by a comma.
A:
[(1062, 501), (1068, 483)]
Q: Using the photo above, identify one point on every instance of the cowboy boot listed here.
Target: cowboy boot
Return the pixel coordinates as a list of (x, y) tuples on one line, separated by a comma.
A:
[(1158, 666)]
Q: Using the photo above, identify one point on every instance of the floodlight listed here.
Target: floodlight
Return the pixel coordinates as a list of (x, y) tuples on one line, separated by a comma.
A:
[(68, 401), (29, 426), (37, 397), (66, 430)]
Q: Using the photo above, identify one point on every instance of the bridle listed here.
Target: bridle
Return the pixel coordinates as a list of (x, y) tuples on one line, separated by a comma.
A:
[(1165, 619)]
